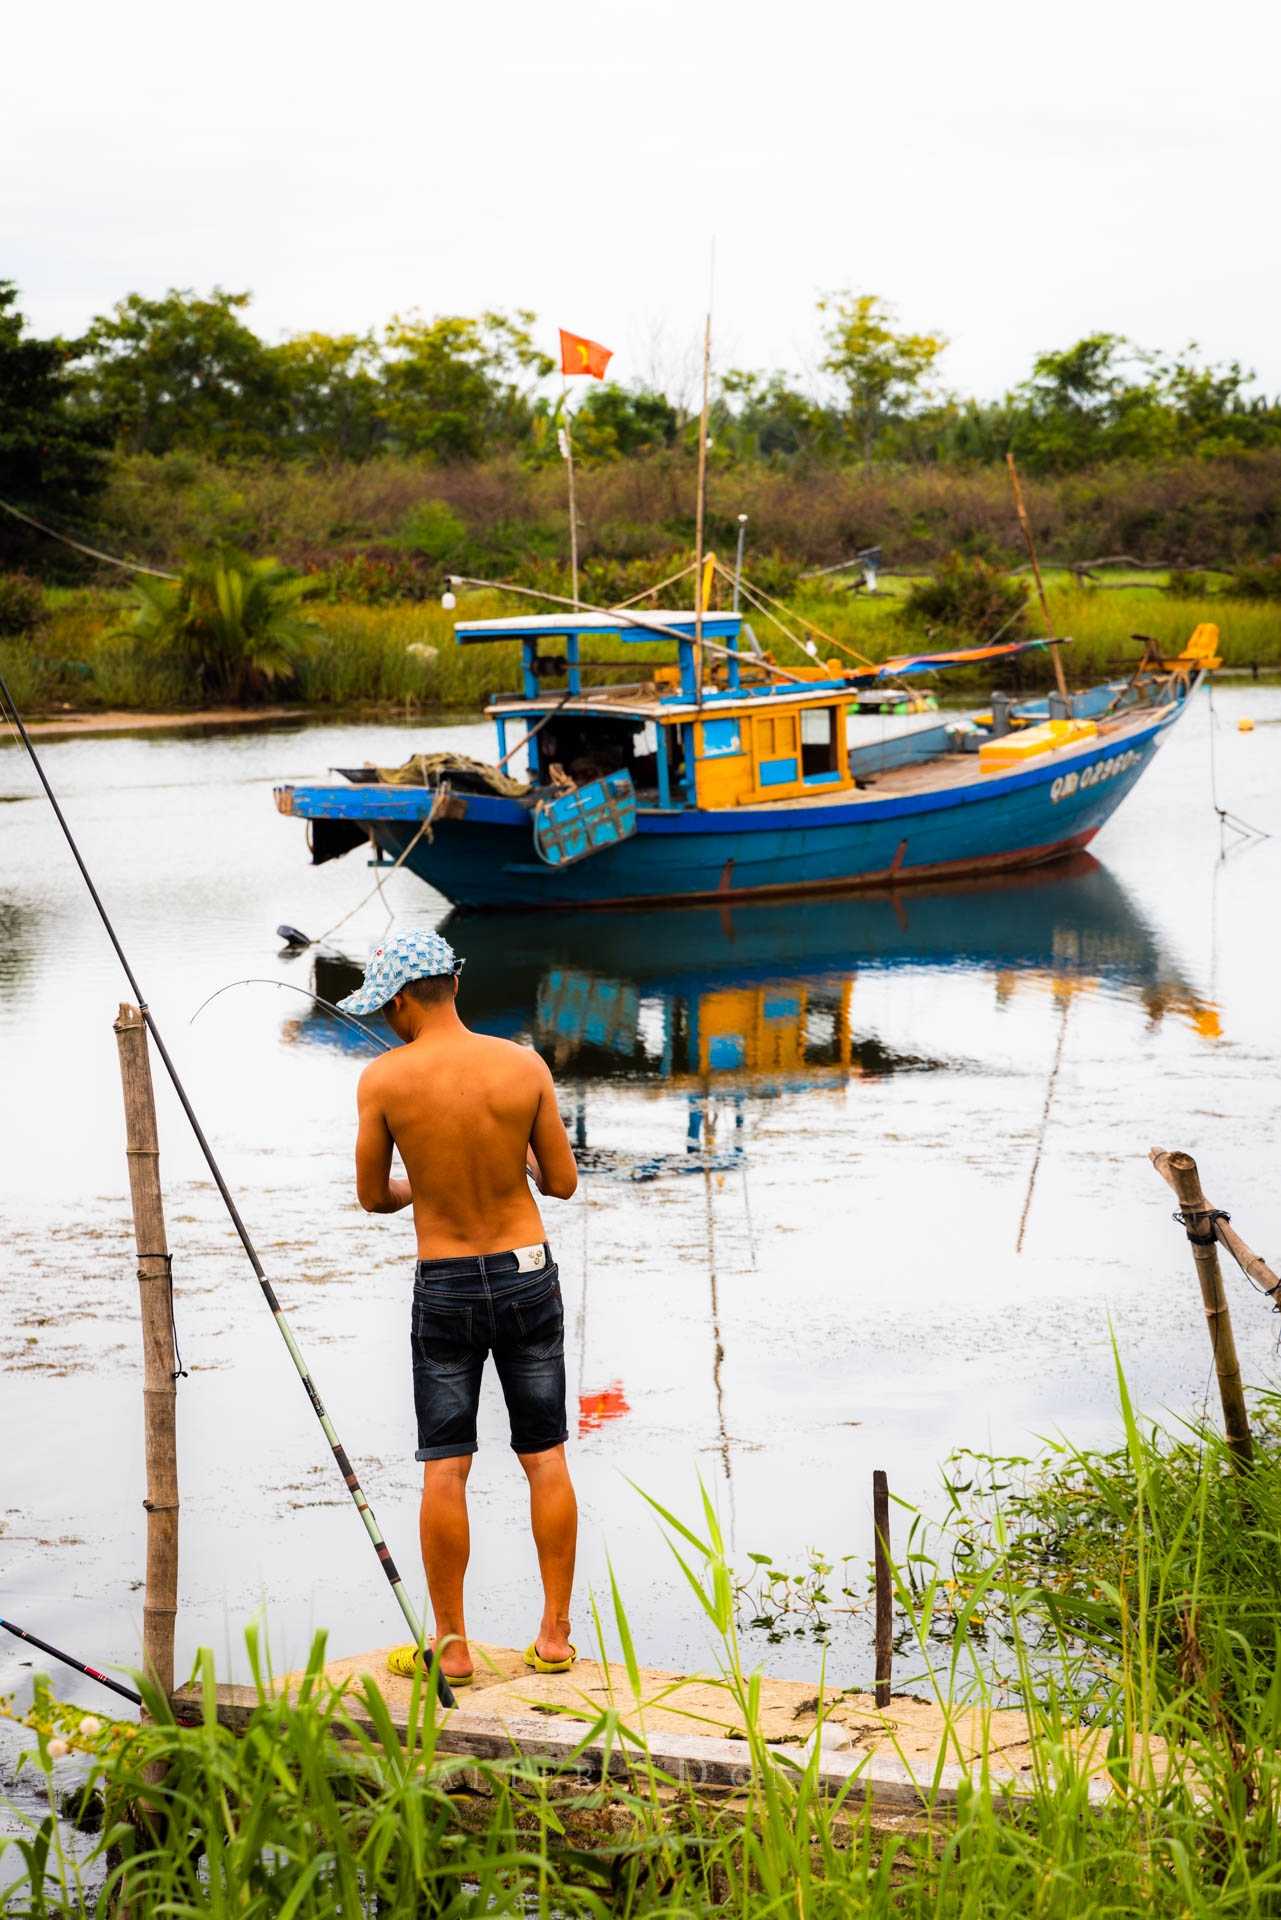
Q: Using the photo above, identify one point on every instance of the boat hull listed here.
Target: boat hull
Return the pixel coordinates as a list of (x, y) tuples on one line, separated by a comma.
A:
[(486, 859)]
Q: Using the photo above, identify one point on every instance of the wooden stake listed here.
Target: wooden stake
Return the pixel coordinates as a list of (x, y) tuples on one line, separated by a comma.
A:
[(1019, 508), (884, 1590), (160, 1602), (1180, 1170), (573, 507), (700, 511)]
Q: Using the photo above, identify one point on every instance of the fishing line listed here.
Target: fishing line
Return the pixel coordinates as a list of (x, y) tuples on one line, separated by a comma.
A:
[(261, 980), (1228, 820), (345, 1467)]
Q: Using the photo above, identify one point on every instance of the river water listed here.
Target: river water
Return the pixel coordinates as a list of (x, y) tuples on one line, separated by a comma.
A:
[(863, 1182)]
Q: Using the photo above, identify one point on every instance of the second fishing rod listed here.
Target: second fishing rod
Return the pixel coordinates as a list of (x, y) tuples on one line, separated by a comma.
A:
[(348, 1472)]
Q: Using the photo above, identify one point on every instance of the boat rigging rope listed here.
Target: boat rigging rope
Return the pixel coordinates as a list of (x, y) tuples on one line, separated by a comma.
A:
[(647, 625), (94, 553), (658, 587), (759, 595), (345, 1468)]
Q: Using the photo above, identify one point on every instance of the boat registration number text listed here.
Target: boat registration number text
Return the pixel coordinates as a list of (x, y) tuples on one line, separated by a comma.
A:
[(1069, 783)]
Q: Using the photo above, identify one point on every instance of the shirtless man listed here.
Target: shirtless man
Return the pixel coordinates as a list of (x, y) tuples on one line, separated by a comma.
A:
[(472, 1117)]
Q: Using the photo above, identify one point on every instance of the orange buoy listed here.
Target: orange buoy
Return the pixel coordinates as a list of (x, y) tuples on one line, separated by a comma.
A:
[(1245, 724)]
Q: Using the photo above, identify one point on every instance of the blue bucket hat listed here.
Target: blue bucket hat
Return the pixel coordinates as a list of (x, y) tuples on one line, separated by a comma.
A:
[(414, 955)]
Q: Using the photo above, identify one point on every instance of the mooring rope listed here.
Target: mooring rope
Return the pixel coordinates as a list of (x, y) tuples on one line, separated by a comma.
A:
[(1227, 819)]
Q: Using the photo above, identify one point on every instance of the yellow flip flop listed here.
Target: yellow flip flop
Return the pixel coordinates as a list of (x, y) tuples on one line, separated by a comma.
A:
[(534, 1659), (402, 1661)]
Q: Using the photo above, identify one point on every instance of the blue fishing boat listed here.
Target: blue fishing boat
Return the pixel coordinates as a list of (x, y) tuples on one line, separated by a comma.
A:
[(722, 776)]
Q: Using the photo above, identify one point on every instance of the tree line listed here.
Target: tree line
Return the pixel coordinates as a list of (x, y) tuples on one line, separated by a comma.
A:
[(187, 372)]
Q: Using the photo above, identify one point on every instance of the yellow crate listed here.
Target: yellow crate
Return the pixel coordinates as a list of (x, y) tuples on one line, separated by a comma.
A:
[(1014, 750)]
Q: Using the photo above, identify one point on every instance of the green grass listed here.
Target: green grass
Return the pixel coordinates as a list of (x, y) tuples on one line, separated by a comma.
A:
[(404, 656), (1137, 1587)]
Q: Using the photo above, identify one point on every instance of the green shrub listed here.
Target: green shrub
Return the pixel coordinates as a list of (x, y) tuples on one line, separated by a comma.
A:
[(969, 599), (1185, 584), (378, 577), (1259, 581), (28, 677), (21, 603), (433, 529), (229, 627)]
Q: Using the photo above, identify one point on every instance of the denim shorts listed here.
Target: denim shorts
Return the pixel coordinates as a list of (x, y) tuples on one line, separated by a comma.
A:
[(465, 1308)]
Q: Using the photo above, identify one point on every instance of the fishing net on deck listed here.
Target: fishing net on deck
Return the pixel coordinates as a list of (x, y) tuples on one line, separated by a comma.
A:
[(463, 774)]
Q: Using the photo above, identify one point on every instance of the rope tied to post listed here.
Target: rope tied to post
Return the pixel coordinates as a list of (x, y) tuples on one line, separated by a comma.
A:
[(1209, 1235), (1210, 1215), (179, 1371)]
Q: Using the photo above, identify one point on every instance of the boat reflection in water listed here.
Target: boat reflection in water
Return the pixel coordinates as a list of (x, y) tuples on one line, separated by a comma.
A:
[(758, 1000)]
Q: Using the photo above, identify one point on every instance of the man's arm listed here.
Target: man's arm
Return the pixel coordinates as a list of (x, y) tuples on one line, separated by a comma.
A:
[(551, 1158), (376, 1190)]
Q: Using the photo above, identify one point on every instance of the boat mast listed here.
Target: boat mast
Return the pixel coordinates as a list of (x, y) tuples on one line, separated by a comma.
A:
[(1030, 543), (700, 510), (566, 438)]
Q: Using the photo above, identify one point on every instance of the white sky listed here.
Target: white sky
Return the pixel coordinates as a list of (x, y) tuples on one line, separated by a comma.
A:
[(1014, 174)]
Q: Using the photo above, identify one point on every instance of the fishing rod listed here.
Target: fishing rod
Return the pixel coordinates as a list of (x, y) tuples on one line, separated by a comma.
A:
[(261, 980), (69, 1660), (348, 1472)]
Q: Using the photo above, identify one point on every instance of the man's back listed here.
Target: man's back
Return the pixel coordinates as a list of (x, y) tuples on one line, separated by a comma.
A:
[(463, 1108), (470, 1115)]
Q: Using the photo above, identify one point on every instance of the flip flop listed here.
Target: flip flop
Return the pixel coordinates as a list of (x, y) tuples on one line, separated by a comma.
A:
[(534, 1659), (402, 1660)]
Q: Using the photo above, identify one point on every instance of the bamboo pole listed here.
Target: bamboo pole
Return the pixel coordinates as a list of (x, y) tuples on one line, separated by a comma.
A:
[(884, 1592), (1180, 1171), (700, 512), (155, 1297), (568, 432), (1016, 484)]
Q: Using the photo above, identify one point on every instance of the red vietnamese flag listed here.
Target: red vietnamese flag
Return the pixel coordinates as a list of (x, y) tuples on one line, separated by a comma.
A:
[(583, 356)]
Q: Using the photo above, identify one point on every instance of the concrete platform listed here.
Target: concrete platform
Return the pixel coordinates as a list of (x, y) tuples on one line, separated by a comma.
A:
[(905, 1757)]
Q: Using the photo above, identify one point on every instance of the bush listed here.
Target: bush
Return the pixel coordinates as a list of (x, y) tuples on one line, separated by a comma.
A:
[(378, 577), (228, 628), (1262, 581), (1187, 585), (21, 603), (434, 530), (969, 599)]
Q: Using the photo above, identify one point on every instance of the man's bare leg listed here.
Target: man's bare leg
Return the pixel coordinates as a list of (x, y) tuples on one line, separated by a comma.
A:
[(446, 1543), (553, 1515)]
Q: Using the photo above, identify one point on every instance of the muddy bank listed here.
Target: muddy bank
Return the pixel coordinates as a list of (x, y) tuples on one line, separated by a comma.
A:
[(71, 726)]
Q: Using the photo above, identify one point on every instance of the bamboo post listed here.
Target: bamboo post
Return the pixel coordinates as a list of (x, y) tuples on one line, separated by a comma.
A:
[(1180, 1170), (1016, 484), (573, 504), (700, 514), (738, 558), (884, 1592), (155, 1297)]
